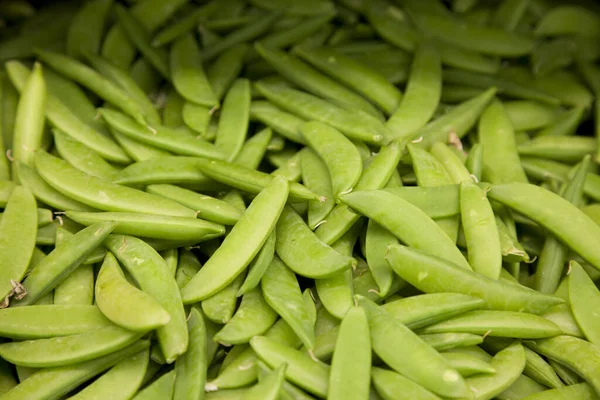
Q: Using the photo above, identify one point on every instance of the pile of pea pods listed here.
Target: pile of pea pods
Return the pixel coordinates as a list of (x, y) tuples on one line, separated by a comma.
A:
[(300, 199)]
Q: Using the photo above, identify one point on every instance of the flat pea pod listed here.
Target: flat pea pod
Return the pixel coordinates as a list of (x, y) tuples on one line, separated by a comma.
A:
[(153, 226), (230, 260), (233, 121), (282, 122), (68, 350), (402, 222), (247, 179), (294, 239), (154, 278), (184, 25), (393, 386), (259, 265), (124, 304), (281, 291), (6, 189), (509, 364), (221, 306), (303, 371), (87, 27), (453, 161), (339, 154), (315, 176), (269, 385), (38, 322), (136, 150), (190, 368), (197, 118), (351, 363), (583, 298), (413, 358), (207, 207), (468, 365), (162, 137), (428, 199), (431, 274), (188, 74), (77, 288), (563, 219), (226, 68), (120, 382), (53, 269), (377, 239), (498, 323), (565, 124), (581, 391), (253, 150), (529, 115), (94, 81), (161, 388), (559, 148), (58, 381), (101, 194), (313, 7), (422, 93), (357, 126), (82, 157), (481, 232), (29, 119), (18, 229), (568, 19), (449, 341), (253, 317)]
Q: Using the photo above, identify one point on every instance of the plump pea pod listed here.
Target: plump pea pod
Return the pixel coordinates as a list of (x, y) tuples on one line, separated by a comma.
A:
[(299, 31), (269, 385), (305, 9), (154, 278), (431, 274), (184, 25), (353, 348), (221, 269), (303, 371), (136, 150), (563, 219), (498, 323), (124, 304), (226, 68), (568, 19), (77, 288), (190, 368), (393, 386), (29, 119), (453, 161), (253, 150), (221, 306), (153, 226), (58, 381), (509, 14), (197, 118), (577, 354), (259, 265), (38, 322), (584, 297), (321, 261), (402, 222), (468, 365), (357, 126), (282, 293), (282, 122), (481, 232), (428, 199), (377, 240), (233, 121), (162, 137), (82, 157), (413, 358), (53, 269), (87, 27), (62, 235), (581, 391), (121, 382), (449, 341), (422, 95), (568, 376), (17, 240), (188, 74), (68, 350), (102, 194), (315, 176), (162, 388)]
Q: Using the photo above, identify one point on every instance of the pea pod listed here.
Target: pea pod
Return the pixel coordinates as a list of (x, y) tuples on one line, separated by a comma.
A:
[(583, 295), (165, 170), (393, 386), (233, 121), (190, 368), (82, 157)]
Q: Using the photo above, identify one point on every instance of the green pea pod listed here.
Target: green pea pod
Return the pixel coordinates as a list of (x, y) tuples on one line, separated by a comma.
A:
[(120, 382), (82, 157), (413, 357), (87, 27), (154, 278), (221, 306), (449, 341), (428, 199), (226, 68), (583, 296), (431, 274), (393, 386), (259, 265), (77, 288), (282, 122), (559, 148), (568, 19), (190, 368), (184, 25), (452, 161), (468, 365), (315, 177), (376, 242), (58, 381), (162, 388), (233, 121), (253, 150)]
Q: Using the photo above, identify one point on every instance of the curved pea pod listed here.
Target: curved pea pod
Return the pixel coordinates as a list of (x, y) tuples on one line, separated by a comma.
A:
[(584, 297), (161, 388), (468, 365), (77, 288), (38, 322), (435, 201), (581, 391), (281, 291), (412, 357), (253, 150), (568, 20), (53, 269), (230, 260), (124, 304), (282, 122), (82, 157), (18, 229), (426, 309), (269, 385), (165, 170), (150, 272), (559, 216), (66, 350), (303, 251), (431, 274), (102, 194), (349, 375), (315, 176), (377, 239), (560, 148), (259, 265), (303, 371), (449, 341), (190, 368), (58, 381), (121, 382), (86, 28), (393, 386), (153, 226), (233, 120), (509, 364), (406, 222), (6, 189), (498, 323)]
